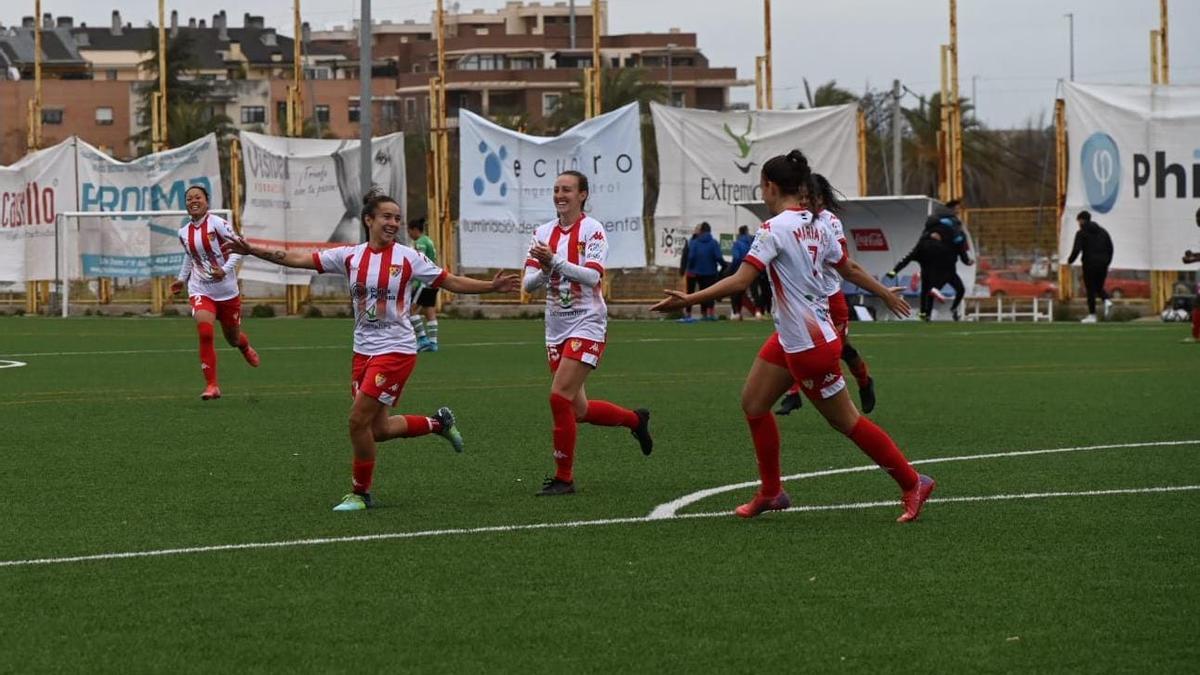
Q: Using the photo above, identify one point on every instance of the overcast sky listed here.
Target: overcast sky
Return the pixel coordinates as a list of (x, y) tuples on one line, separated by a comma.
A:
[(1016, 50)]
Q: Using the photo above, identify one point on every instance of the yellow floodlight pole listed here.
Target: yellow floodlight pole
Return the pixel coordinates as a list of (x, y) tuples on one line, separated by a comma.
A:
[(1165, 62), (956, 148), (1060, 188), (160, 139), (35, 115), (768, 77), (294, 294), (943, 125), (862, 153), (597, 73), (758, 82)]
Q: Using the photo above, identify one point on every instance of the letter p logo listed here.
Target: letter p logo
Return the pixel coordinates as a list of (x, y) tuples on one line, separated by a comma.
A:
[(1100, 163)]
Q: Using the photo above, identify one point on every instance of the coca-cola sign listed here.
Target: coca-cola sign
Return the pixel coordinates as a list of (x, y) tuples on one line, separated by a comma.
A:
[(869, 239)]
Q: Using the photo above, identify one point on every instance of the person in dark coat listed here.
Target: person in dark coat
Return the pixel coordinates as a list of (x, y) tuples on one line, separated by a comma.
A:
[(930, 254), (1093, 242), (706, 263), (688, 278), (741, 246)]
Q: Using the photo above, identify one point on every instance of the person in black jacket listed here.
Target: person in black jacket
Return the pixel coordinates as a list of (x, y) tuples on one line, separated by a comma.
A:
[(931, 254), (954, 237), (1097, 248)]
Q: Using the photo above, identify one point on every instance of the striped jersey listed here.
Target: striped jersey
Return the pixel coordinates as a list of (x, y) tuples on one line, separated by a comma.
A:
[(379, 281), (202, 242), (795, 250), (833, 280), (571, 309)]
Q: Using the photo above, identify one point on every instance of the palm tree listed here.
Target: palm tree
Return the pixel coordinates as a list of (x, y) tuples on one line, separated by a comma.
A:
[(826, 95), (620, 87), (189, 115)]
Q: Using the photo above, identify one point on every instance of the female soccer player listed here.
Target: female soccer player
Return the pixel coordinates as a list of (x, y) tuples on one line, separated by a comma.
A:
[(793, 249), (211, 278), (385, 349), (567, 257), (839, 310)]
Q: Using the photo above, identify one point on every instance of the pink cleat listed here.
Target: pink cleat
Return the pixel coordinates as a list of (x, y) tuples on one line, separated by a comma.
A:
[(915, 498), (210, 392), (251, 356), (760, 503)]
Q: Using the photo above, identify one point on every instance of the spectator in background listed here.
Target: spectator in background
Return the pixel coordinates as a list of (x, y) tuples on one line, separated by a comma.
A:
[(1188, 258), (424, 304), (705, 263), (930, 254), (741, 246), (689, 279), (954, 238), (760, 294), (1093, 242)]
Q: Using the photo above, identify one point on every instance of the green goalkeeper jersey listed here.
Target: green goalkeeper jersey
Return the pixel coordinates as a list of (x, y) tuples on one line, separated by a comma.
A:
[(424, 246)]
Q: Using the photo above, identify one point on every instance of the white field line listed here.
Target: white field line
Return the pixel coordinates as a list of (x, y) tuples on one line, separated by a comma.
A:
[(671, 508), (11, 364), (504, 529)]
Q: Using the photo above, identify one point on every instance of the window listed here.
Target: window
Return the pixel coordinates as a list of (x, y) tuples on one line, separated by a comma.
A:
[(281, 115), (111, 74), (52, 116), (254, 114), (322, 114), (678, 99), (389, 112), (550, 103), (481, 31), (410, 109), (104, 116), (524, 63), (352, 113)]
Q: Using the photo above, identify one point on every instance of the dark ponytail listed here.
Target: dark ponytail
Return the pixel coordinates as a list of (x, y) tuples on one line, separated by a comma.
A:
[(791, 173), (827, 196), (371, 201)]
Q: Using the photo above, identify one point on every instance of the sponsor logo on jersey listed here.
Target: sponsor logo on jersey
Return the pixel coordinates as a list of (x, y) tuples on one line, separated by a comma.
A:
[(595, 347), (565, 299), (380, 380), (370, 312), (394, 270)]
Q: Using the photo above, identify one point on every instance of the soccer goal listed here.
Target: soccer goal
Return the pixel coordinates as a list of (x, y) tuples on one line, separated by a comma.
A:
[(91, 245)]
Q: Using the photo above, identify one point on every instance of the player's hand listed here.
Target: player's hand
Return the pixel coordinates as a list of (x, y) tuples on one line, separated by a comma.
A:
[(542, 253), (176, 287), (505, 282), (674, 300), (237, 246), (217, 274), (896, 303)]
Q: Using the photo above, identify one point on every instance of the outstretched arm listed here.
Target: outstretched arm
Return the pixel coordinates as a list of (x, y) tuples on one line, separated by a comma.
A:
[(296, 259), (855, 274), (503, 282), (734, 283)]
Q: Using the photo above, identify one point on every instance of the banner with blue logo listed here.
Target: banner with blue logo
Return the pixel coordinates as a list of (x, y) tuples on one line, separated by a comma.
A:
[(507, 180), (708, 160), (1134, 164)]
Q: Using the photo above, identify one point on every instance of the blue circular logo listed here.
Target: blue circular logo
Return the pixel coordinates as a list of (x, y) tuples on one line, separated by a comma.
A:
[(1100, 163)]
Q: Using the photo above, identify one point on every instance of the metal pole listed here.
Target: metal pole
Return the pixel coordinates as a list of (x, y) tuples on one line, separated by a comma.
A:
[(1071, 31), (163, 135), (758, 83), (572, 24), (597, 75), (769, 83), (943, 128), (897, 180), (1166, 52), (364, 97), (298, 71), (1154, 49), (670, 75), (956, 178), (37, 76)]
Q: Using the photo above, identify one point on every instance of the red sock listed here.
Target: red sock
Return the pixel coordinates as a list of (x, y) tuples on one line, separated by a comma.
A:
[(363, 471), (243, 341), (882, 449), (765, 433), (208, 353), (859, 371), (1196, 323), (605, 414), (564, 437), (419, 425)]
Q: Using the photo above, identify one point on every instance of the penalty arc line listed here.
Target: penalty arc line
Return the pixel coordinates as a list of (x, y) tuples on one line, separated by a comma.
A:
[(504, 529), (671, 508)]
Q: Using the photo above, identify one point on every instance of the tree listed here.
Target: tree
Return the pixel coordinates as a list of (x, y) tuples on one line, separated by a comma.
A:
[(619, 87), (190, 114), (826, 95)]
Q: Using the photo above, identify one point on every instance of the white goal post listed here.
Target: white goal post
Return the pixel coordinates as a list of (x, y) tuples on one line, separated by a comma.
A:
[(62, 250)]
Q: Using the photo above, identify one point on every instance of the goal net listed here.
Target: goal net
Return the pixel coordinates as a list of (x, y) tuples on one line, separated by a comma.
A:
[(99, 251)]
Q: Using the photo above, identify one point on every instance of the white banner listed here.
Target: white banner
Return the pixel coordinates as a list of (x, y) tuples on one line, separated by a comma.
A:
[(1135, 165), (32, 192), (305, 194), (134, 246), (708, 160), (508, 178), (75, 176)]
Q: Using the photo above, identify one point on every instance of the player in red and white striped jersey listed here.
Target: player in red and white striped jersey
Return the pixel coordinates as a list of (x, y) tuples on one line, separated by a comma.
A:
[(839, 310), (567, 257), (211, 277), (380, 272), (794, 250)]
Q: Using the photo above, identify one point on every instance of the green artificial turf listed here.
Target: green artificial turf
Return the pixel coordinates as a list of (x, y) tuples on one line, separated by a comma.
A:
[(108, 449)]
